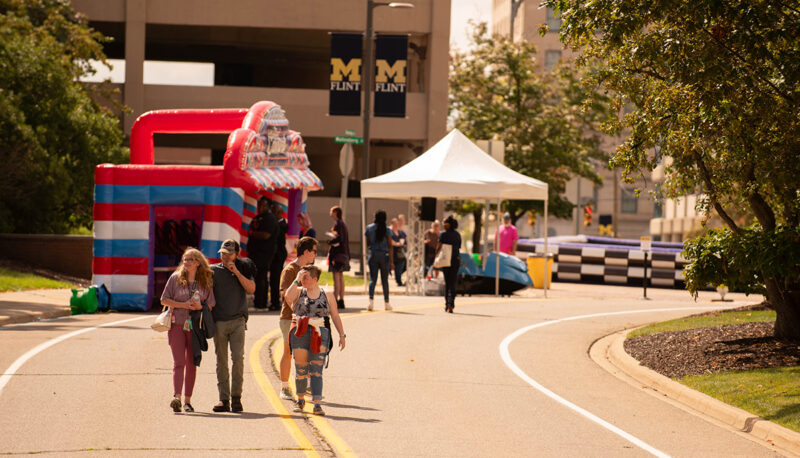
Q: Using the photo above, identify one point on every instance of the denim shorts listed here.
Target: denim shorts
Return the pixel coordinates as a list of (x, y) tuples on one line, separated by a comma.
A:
[(304, 342)]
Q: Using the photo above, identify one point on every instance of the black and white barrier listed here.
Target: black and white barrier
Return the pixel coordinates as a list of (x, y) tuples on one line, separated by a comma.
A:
[(621, 264)]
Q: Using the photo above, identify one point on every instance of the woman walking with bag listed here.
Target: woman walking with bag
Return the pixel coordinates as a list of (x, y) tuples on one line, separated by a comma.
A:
[(452, 238), (310, 335), (187, 288), (380, 258)]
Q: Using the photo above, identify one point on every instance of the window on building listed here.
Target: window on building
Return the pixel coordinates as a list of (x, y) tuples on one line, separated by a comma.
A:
[(553, 20), (551, 59), (630, 201), (658, 209)]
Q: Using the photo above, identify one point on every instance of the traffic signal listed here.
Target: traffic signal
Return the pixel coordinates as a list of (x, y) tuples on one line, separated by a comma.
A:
[(587, 215)]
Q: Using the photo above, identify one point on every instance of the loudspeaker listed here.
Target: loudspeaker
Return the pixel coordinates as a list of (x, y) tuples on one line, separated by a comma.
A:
[(427, 210)]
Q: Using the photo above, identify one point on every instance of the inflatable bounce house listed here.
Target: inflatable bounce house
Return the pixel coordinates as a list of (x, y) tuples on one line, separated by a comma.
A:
[(145, 215)]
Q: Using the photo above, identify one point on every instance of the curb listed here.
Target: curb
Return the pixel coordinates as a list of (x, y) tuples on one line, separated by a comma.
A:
[(27, 317), (611, 348)]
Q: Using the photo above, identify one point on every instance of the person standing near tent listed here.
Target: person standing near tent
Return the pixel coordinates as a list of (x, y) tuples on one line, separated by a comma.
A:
[(506, 237), (233, 281), (431, 239), (450, 237), (379, 257), (338, 254), (275, 298), (261, 248), (187, 288), (399, 239)]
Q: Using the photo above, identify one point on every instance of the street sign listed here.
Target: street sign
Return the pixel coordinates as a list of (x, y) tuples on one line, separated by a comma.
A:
[(346, 159), (646, 241), (352, 140), (350, 132)]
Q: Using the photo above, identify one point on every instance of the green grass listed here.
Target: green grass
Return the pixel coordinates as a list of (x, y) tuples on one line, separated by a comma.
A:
[(326, 278), (11, 280), (705, 321), (769, 393)]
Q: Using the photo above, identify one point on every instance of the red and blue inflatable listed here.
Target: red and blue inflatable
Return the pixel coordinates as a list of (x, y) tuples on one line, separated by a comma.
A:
[(145, 215)]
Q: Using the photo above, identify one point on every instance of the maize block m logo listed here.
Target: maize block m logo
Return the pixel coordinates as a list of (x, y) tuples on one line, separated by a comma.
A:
[(397, 71), (339, 69)]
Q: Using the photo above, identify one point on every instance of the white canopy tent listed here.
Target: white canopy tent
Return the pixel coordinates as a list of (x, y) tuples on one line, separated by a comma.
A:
[(455, 169)]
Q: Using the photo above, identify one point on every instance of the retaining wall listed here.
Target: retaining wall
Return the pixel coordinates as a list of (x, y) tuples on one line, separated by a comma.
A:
[(66, 254)]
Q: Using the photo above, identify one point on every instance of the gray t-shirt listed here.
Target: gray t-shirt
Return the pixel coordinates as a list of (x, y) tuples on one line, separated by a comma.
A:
[(230, 295)]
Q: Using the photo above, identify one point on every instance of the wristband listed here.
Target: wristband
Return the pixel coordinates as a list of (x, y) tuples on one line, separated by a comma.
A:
[(297, 282), (343, 336)]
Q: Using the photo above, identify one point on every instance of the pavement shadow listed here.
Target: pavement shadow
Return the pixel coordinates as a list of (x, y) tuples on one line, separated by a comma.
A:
[(348, 406), (457, 313), (230, 415), (355, 419)]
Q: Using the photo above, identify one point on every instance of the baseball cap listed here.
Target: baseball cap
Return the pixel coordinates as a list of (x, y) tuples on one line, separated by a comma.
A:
[(506, 215), (230, 246)]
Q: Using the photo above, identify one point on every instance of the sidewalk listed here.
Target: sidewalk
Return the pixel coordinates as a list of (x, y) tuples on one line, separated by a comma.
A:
[(41, 304)]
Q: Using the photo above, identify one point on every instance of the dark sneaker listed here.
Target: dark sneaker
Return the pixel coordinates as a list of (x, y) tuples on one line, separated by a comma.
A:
[(236, 405), (318, 410), (299, 405), (175, 404), (222, 406)]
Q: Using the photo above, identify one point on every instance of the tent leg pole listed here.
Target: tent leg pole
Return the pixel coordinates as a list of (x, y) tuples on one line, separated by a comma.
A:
[(545, 249), (497, 254), (364, 243)]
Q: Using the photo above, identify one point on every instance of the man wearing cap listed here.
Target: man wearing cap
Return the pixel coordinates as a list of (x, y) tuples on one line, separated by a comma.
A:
[(506, 236), (233, 280)]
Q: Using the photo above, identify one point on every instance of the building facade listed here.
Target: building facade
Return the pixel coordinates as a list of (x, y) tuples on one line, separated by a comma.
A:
[(277, 51), (628, 212)]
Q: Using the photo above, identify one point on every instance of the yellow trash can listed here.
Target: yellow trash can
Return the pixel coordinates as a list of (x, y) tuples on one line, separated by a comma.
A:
[(536, 270)]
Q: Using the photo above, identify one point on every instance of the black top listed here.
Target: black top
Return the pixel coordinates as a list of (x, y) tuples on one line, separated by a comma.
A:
[(399, 251), (310, 233), (452, 237), (280, 240), (342, 240), (263, 222), (232, 302)]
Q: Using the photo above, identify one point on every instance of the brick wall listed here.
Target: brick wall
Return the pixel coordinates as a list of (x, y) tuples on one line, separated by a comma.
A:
[(66, 254)]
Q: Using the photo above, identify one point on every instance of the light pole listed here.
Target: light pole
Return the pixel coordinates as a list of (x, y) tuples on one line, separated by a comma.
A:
[(367, 78)]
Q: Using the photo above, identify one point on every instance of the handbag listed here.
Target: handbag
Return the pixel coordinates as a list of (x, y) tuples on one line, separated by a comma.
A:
[(163, 321), (444, 256)]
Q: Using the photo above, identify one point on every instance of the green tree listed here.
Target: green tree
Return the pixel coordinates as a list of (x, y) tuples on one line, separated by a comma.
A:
[(53, 132), (717, 86), (549, 121)]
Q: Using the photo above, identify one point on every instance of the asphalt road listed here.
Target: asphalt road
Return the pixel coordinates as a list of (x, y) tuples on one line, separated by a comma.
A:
[(500, 377)]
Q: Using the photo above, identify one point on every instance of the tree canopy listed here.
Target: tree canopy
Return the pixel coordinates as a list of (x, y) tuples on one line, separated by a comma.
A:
[(715, 86), (549, 121), (53, 130)]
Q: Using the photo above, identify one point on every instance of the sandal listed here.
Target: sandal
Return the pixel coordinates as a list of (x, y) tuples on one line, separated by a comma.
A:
[(188, 407)]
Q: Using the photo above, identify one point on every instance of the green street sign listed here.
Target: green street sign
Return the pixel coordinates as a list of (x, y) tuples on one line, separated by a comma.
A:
[(353, 140)]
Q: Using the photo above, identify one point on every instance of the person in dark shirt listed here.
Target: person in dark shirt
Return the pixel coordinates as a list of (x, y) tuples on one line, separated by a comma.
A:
[(338, 254), (233, 281), (399, 240), (451, 237), (278, 259), (261, 248)]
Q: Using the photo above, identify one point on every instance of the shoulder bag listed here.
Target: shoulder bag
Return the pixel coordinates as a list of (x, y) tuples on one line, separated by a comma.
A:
[(163, 321), (444, 256)]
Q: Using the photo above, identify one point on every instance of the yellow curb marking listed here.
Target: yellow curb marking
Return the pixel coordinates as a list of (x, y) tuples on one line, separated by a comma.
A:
[(273, 398)]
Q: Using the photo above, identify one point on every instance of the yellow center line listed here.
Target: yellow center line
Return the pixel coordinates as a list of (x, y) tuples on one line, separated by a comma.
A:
[(324, 428), (272, 397)]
